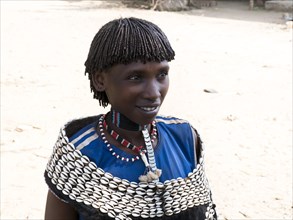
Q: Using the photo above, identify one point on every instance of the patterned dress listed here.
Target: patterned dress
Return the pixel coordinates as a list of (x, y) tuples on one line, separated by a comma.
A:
[(82, 171)]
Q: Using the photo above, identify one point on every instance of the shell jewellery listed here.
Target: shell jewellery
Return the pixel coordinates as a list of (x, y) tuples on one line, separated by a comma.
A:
[(74, 177), (146, 155)]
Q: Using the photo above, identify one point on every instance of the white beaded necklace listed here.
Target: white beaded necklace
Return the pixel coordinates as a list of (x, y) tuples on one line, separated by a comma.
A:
[(152, 173)]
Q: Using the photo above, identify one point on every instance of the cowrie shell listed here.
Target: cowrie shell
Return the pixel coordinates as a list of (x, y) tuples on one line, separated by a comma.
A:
[(50, 175), (104, 180), (76, 191), (73, 174), (64, 175), (96, 175), (142, 184), (113, 185), (64, 150), (123, 188), (66, 191), (96, 205), (77, 154), (79, 199), (64, 158), (59, 186), (87, 201), (89, 185), (100, 171), (125, 182), (78, 171), (103, 209), (61, 181), (80, 187), (176, 210), (86, 176), (111, 214), (70, 147), (87, 170), (160, 214), (72, 196), (183, 207), (117, 180), (80, 180), (71, 156), (79, 164), (133, 185), (135, 213), (109, 176), (92, 165), (60, 163), (127, 211), (169, 212), (71, 165), (85, 159), (144, 215)]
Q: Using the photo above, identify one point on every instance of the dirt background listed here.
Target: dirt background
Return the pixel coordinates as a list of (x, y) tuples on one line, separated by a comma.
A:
[(244, 57)]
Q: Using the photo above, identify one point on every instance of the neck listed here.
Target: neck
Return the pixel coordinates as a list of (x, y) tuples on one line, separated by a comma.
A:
[(121, 121)]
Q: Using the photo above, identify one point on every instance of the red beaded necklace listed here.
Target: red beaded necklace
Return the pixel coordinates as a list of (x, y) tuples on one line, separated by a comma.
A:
[(138, 149)]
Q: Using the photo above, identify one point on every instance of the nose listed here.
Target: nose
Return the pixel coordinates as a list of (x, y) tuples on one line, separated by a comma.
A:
[(152, 90)]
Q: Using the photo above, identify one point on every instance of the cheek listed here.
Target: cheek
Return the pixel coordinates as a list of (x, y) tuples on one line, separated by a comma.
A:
[(165, 88), (118, 95)]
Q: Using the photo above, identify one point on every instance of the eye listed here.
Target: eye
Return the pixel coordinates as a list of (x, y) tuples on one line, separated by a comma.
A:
[(134, 77), (163, 74)]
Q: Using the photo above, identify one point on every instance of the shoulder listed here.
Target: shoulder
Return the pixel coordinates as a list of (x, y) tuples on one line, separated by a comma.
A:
[(80, 132), (170, 120), (74, 126), (180, 127), (176, 127)]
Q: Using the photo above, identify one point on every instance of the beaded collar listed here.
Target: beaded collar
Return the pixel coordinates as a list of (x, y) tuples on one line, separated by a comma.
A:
[(146, 154), (102, 128), (121, 121), (125, 142)]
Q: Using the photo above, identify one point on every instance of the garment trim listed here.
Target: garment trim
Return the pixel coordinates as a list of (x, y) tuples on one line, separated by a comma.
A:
[(171, 121), (87, 141), (82, 135)]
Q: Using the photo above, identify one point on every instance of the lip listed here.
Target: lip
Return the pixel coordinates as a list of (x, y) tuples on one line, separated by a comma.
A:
[(149, 109)]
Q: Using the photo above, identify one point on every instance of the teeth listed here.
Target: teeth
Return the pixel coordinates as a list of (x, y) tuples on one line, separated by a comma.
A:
[(148, 108)]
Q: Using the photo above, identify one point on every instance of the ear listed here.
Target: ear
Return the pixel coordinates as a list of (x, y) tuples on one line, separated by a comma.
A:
[(99, 81)]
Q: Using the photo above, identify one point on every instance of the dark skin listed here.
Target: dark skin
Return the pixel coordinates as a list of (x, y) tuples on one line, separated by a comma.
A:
[(56, 209), (136, 90)]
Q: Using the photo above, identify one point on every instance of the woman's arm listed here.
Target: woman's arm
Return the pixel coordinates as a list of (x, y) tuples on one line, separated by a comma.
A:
[(56, 209)]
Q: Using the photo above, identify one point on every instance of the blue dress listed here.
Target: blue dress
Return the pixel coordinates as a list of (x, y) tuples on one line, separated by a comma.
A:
[(175, 151), (83, 173)]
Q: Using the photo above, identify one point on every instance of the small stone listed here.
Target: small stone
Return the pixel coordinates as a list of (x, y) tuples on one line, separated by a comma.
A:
[(210, 91)]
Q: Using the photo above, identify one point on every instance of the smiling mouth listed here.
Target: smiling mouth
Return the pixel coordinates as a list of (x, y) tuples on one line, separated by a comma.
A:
[(149, 109)]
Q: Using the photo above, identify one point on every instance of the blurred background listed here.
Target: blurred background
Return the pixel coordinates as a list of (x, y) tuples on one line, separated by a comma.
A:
[(231, 78)]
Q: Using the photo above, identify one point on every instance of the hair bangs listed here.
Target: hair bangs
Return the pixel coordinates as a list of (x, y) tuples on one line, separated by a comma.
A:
[(123, 41)]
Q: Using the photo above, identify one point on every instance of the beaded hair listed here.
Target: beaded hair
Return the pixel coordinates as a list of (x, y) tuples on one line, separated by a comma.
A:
[(122, 41)]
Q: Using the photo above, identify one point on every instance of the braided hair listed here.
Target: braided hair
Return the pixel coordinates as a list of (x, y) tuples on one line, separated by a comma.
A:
[(122, 41)]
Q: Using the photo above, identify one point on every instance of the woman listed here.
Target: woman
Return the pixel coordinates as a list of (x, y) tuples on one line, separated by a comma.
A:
[(129, 163)]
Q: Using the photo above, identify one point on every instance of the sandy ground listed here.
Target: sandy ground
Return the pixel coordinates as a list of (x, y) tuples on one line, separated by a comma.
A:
[(245, 56)]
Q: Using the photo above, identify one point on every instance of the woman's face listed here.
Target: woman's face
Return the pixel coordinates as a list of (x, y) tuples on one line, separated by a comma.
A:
[(137, 90)]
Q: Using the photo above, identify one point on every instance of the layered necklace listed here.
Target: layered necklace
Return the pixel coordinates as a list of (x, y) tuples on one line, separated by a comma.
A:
[(146, 153)]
